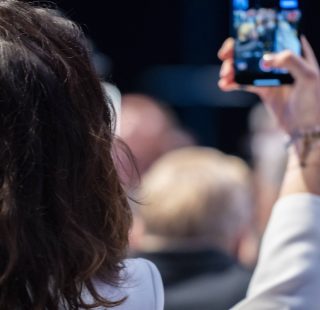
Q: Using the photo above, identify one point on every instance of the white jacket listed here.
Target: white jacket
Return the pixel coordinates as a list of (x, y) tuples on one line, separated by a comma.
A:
[(288, 271), (142, 286)]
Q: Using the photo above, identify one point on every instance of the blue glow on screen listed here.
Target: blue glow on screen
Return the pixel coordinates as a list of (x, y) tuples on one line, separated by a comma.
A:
[(289, 4), (241, 4)]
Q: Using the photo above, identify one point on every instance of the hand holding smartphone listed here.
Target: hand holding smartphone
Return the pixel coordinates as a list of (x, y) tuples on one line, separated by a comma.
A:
[(262, 27)]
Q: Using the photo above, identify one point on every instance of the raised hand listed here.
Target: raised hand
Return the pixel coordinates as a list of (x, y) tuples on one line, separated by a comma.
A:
[(296, 107)]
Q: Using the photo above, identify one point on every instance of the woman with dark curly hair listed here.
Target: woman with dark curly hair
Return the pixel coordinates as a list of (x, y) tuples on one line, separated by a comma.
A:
[(64, 217)]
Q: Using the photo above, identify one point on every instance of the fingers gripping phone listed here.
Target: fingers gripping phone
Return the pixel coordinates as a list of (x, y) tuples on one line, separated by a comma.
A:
[(261, 27)]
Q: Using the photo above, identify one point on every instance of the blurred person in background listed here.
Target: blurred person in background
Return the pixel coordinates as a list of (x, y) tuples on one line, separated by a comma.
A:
[(150, 129), (269, 159), (113, 95), (269, 162), (197, 208), (103, 67)]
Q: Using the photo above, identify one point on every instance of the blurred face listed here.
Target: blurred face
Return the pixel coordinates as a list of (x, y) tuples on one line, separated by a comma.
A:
[(144, 131)]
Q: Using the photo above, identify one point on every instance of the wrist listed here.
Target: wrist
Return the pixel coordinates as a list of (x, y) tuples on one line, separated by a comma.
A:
[(303, 156), (304, 145), (302, 178)]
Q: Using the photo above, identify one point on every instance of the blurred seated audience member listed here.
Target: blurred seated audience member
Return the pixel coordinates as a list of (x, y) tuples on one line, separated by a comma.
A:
[(150, 129), (269, 162), (113, 94), (196, 209), (269, 158)]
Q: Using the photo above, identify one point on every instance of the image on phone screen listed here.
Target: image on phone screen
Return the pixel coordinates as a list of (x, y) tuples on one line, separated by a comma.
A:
[(261, 27)]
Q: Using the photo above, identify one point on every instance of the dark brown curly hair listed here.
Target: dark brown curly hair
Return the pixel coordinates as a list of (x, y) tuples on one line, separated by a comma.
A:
[(64, 217)]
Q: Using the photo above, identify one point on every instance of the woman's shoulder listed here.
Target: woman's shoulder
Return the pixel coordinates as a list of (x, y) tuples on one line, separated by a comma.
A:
[(142, 286)]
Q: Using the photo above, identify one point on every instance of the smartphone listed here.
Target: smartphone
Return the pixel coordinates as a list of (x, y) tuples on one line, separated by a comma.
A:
[(261, 27)]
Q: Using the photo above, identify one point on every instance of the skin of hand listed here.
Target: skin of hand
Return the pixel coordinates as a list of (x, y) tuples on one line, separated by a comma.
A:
[(296, 107)]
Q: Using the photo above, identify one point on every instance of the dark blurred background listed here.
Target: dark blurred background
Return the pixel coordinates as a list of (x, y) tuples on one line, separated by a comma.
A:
[(168, 49)]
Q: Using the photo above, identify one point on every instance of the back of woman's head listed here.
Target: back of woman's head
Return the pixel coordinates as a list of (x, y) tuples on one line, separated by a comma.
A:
[(64, 218)]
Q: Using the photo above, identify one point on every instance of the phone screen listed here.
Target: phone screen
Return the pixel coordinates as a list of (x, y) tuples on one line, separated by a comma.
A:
[(260, 27)]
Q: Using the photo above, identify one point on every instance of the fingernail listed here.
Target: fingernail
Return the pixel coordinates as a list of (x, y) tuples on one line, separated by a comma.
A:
[(268, 57)]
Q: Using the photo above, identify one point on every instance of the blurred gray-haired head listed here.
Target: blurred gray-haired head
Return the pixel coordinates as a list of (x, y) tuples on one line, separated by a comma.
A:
[(197, 194)]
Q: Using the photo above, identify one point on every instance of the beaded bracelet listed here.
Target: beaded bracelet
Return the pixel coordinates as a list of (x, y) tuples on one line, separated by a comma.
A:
[(308, 138)]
